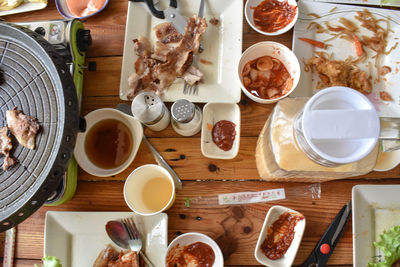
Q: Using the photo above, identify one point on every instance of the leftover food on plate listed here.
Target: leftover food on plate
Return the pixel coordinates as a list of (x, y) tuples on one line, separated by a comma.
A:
[(109, 144), (339, 73), (23, 127), (109, 257), (83, 8), (389, 245), (214, 21), (223, 134), (273, 15), (368, 49), (172, 57), (266, 77), (197, 254), (11, 4), (280, 235)]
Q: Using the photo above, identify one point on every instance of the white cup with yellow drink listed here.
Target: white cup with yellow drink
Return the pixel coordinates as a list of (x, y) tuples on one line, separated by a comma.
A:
[(149, 190)]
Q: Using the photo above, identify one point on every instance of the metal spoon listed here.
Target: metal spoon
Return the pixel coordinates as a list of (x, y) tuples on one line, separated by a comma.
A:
[(119, 235)]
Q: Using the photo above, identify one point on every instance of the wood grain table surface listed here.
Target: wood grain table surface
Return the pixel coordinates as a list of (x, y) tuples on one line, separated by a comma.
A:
[(235, 228)]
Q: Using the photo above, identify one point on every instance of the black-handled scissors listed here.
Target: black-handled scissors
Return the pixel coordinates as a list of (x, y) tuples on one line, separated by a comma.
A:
[(157, 13), (171, 14), (325, 246)]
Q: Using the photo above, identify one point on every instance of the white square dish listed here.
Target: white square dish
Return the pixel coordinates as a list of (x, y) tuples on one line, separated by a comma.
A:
[(273, 214), (212, 113), (321, 13), (222, 47), (375, 208), (77, 238)]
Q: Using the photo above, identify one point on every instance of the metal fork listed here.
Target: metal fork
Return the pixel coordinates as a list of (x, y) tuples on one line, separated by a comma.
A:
[(187, 88), (135, 240)]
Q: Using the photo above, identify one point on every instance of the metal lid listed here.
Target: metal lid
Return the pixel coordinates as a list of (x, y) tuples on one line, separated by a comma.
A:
[(148, 108), (182, 111)]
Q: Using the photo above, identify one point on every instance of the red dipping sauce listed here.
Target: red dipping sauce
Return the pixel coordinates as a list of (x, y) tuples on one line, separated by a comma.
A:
[(273, 15), (280, 235), (223, 134), (199, 252)]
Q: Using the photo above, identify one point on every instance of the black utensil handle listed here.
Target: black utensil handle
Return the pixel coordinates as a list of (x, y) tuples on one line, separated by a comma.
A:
[(156, 13), (173, 3)]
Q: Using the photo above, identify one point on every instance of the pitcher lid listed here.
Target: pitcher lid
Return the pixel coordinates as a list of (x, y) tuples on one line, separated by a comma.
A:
[(340, 124)]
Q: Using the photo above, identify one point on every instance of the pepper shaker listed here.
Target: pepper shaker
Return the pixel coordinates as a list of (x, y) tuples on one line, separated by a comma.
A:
[(149, 109), (186, 117)]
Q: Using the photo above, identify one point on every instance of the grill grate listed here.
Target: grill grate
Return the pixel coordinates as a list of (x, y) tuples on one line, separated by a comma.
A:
[(34, 78)]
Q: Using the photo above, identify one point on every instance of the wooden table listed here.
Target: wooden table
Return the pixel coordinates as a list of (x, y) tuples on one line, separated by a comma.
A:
[(235, 228)]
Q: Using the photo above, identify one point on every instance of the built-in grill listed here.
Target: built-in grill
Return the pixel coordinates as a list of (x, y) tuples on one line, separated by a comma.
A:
[(35, 79)]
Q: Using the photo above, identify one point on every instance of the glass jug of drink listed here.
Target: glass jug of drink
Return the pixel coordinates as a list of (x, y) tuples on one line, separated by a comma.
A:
[(333, 134)]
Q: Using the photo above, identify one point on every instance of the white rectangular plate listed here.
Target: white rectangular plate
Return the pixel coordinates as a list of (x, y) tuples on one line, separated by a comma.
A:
[(341, 49), (25, 7), (77, 238), (222, 47), (375, 208)]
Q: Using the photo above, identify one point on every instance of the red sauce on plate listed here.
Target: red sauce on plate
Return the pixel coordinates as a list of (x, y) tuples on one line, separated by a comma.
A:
[(273, 15), (82, 8), (280, 235), (223, 134)]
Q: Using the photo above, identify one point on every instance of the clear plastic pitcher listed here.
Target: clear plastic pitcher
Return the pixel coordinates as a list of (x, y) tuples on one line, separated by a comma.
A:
[(333, 134)]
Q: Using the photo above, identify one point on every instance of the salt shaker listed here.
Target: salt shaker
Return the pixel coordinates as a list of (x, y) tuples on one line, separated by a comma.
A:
[(186, 117), (149, 109)]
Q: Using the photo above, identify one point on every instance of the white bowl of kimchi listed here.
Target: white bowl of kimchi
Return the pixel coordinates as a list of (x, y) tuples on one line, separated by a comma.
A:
[(268, 71)]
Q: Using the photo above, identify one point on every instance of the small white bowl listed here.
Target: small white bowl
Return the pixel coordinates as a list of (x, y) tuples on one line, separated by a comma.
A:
[(190, 238), (248, 13), (66, 13), (133, 188), (91, 119), (212, 113), (273, 214), (275, 50)]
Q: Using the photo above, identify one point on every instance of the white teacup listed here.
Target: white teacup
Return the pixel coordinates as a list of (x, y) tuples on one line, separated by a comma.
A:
[(94, 117), (149, 189)]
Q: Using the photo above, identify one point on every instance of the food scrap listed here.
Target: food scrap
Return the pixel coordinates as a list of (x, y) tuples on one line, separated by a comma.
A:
[(109, 257), (156, 70), (385, 96), (273, 15), (23, 127), (339, 73), (266, 77), (214, 21), (196, 254), (313, 42), (5, 148), (223, 134), (280, 235), (388, 244)]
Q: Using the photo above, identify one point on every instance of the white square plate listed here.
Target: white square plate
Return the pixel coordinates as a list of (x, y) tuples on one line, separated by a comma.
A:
[(222, 47), (77, 238), (375, 208), (341, 49), (212, 113)]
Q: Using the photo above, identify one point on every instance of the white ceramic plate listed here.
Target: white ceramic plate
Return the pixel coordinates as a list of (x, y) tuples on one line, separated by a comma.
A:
[(273, 214), (212, 113), (342, 49), (375, 208), (77, 238), (222, 46), (25, 7)]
